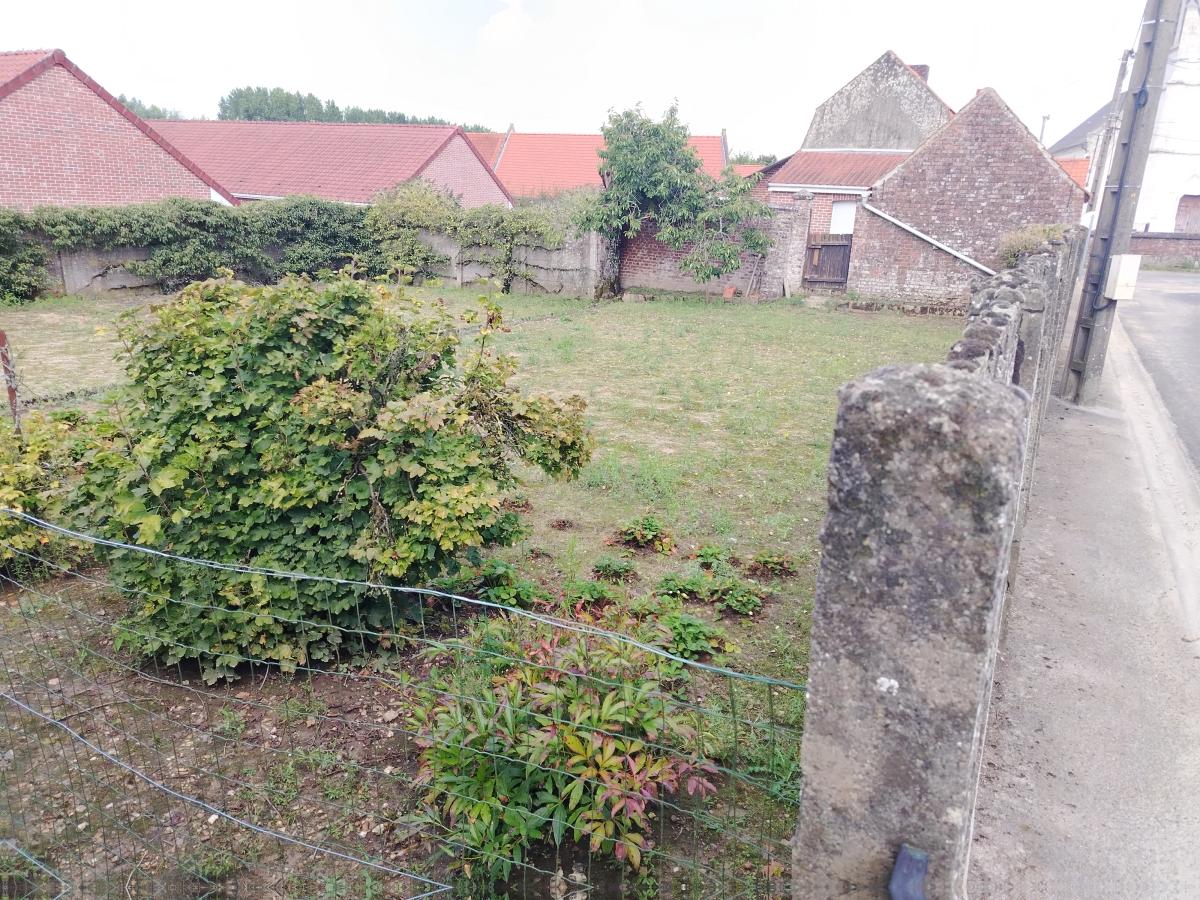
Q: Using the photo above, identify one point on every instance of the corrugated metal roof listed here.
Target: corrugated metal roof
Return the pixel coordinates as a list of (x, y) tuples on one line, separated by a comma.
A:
[(836, 168)]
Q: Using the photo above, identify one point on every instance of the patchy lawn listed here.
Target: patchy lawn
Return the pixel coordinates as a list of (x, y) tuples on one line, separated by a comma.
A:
[(714, 418)]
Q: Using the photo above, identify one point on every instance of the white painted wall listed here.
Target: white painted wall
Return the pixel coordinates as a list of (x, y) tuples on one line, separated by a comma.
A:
[(1174, 165)]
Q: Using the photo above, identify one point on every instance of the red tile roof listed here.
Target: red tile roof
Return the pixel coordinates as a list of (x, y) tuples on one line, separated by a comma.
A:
[(835, 168), (534, 165), (19, 67), (15, 62), (487, 143), (746, 169), (337, 161), (1077, 169)]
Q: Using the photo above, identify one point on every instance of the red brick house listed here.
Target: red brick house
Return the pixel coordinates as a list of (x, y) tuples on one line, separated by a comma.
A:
[(65, 141), (337, 161), (545, 165), (915, 225)]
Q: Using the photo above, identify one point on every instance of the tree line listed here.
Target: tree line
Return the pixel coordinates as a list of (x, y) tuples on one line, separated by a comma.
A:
[(279, 105), (263, 104)]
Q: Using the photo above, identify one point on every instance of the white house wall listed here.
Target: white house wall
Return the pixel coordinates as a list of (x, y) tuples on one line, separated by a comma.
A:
[(1173, 169)]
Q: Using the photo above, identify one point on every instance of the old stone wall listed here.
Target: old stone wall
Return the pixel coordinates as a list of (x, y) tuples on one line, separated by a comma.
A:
[(1167, 248), (887, 105), (91, 272), (889, 266), (981, 177), (571, 270), (649, 264), (927, 478)]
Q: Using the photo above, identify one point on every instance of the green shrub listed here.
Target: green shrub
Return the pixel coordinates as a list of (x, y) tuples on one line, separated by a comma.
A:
[(613, 568), (322, 428), (187, 240), (648, 533), (395, 220), (728, 593), (684, 588), (499, 582), (735, 595), (690, 637), (495, 233), (591, 593), (712, 557), (37, 476), (1026, 240), (22, 260), (489, 234), (773, 563), (506, 772), (308, 235)]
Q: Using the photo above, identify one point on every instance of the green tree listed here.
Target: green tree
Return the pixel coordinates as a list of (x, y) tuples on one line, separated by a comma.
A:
[(754, 159), (278, 105), (339, 428), (147, 110), (652, 177)]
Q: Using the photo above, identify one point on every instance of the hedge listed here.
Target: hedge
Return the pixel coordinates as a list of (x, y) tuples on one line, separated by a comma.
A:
[(190, 240)]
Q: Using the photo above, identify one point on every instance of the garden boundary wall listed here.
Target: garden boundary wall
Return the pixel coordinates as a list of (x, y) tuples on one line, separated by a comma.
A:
[(928, 476), (649, 264), (571, 270), (1167, 248)]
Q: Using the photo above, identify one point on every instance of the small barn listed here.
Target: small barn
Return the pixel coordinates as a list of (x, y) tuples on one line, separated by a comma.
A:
[(349, 162), (66, 141), (916, 199)]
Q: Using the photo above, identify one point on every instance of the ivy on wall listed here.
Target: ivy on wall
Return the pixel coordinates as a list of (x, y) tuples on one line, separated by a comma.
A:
[(191, 240)]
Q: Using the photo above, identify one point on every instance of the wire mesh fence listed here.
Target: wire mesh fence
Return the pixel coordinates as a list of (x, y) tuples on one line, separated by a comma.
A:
[(451, 747)]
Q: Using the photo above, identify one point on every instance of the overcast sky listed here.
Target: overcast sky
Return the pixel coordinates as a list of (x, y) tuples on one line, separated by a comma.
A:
[(754, 67)]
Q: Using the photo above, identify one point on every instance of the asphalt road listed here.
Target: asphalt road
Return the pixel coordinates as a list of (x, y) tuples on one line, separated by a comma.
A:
[(1163, 322)]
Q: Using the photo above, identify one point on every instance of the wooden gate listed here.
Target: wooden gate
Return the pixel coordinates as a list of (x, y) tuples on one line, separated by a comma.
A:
[(828, 262)]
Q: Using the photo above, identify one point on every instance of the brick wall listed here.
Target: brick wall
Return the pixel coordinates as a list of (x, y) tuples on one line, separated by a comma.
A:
[(61, 144), (822, 211), (1167, 248), (889, 264), (981, 177), (648, 264), (459, 170)]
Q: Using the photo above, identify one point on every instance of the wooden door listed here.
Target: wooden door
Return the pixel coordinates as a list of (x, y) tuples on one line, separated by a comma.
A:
[(828, 262)]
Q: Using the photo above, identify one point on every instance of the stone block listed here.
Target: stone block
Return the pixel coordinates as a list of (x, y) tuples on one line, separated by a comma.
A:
[(923, 482)]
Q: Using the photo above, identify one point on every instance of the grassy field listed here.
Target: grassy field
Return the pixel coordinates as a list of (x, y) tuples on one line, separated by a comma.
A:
[(714, 417)]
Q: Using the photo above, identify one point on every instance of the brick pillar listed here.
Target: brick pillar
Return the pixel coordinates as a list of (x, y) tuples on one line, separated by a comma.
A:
[(923, 484)]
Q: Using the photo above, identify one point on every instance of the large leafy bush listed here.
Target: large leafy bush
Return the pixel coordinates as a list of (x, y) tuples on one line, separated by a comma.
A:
[(336, 429)]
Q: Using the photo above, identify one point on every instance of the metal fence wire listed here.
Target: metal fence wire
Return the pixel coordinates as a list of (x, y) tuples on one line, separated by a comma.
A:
[(123, 776)]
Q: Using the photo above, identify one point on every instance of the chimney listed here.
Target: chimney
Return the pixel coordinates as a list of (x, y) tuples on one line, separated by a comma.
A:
[(923, 71)]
